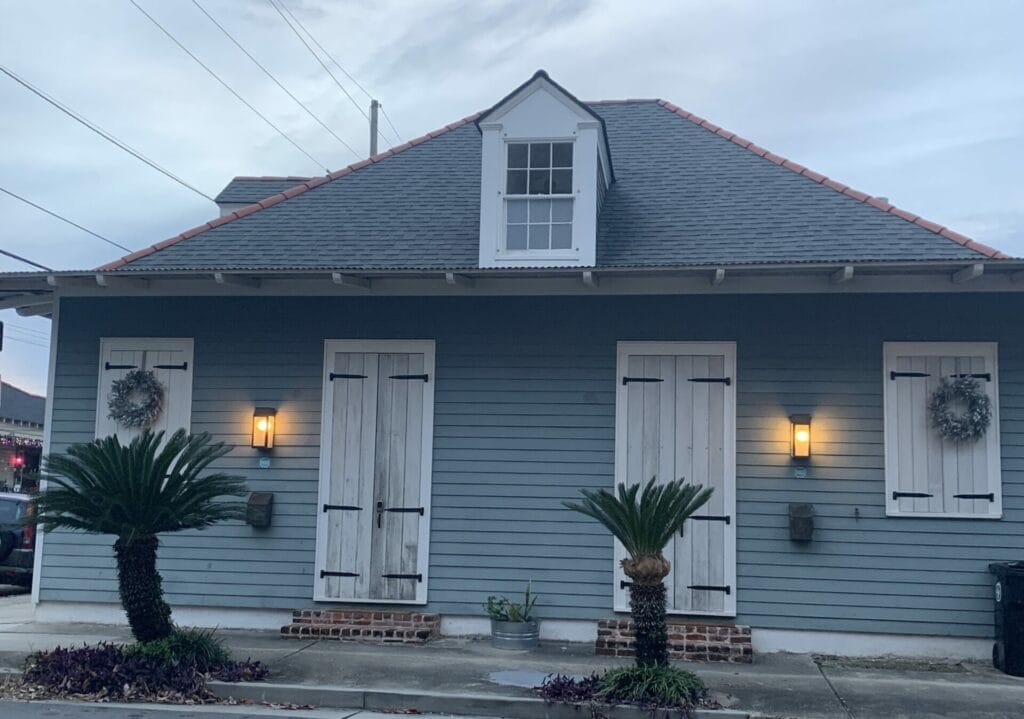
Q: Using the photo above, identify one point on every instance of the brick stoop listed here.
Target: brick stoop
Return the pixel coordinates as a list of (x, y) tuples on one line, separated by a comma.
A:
[(363, 625), (686, 641)]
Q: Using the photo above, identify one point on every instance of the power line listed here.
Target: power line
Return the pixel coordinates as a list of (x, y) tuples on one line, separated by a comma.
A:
[(21, 334), (337, 64), (28, 331), (51, 213), (34, 344), (268, 74), (22, 259), (78, 117), (312, 52), (393, 128), (226, 86), (324, 50)]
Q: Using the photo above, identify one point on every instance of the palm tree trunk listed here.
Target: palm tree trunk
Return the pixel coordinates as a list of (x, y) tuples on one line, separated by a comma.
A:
[(142, 595), (647, 603)]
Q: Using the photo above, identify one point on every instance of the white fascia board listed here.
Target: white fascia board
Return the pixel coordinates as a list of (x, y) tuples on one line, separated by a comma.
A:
[(560, 281)]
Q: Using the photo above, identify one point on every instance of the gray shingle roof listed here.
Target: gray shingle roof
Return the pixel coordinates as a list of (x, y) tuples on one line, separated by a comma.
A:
[(19, 405), (684, 195)]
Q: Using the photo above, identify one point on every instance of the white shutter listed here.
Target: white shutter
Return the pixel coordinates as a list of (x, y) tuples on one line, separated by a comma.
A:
[(171, 361), (675, 418), (925, 474)]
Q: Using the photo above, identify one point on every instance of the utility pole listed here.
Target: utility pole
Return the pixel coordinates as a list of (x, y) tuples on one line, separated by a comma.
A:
[(374, 106)]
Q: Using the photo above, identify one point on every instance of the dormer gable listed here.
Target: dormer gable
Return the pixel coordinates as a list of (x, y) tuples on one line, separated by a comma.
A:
[(545, 167)]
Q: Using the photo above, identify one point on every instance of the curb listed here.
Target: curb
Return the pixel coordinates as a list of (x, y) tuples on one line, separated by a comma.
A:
[(424, 702)]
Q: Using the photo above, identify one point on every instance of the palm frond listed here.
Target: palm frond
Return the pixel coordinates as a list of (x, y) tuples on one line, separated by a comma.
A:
[(645, 518), (147, 487)]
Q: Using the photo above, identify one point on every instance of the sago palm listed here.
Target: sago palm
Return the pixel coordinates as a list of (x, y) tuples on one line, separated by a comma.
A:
[(644, 524), (136, 492)]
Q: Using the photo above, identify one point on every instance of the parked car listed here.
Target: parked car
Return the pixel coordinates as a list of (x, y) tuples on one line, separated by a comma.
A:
[(17, 540)]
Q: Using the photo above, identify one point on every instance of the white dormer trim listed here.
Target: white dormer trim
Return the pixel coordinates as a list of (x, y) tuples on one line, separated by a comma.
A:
[(540, 111)]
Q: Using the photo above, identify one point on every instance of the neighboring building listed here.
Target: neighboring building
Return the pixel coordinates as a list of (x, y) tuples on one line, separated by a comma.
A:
[(21, 438), (550, 296)]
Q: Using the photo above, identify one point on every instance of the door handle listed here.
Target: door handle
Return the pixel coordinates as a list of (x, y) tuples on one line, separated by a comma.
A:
[(380, 513)]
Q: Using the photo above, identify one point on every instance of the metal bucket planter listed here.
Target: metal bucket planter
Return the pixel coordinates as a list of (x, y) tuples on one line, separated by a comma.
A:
[(515, 635)]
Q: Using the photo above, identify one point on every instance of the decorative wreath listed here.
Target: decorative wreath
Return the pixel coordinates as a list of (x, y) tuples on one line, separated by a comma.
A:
[(960, 427), (136, 399)]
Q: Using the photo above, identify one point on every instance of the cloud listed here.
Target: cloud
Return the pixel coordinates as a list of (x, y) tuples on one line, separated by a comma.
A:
[(918, 101)]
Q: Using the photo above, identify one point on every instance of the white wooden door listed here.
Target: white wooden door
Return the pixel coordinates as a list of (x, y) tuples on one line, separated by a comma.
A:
[(676, 418), (169, 358), (374, 508)]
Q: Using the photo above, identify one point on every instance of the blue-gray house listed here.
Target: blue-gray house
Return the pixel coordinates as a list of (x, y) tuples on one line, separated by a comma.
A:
[(458, 334)]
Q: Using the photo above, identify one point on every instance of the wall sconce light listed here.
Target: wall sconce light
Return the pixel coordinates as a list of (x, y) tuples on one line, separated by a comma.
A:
[(801, 435), (263, 427)]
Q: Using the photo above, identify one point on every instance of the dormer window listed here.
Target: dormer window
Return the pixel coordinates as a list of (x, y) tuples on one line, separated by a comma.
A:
[(538, 196), (544, 171)]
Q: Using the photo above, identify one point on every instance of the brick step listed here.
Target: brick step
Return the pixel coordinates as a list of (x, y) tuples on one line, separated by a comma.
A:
[(363, 625), (690, 641)]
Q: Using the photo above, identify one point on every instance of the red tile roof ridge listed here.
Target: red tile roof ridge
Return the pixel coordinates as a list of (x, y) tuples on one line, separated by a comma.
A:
[(630, 101), (297, 178), (837, 186)]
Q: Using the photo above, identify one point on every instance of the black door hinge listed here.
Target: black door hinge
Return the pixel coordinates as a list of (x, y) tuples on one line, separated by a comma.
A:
[(424, 377), (325, 573), (417, 577), (897, 495), (342, 507), (627, 380), (182, 366), (721, 380), (711, 588), (990, 496), (894, 375), (341, 375), (107, 365)]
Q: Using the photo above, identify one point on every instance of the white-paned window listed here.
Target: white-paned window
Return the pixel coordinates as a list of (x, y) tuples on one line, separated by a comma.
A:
[(538, 196), (926, 474)]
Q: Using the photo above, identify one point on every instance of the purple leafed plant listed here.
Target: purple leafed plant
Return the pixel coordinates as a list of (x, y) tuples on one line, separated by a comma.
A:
[(247, 671), (112, 671), (570, 690), (106, 670)]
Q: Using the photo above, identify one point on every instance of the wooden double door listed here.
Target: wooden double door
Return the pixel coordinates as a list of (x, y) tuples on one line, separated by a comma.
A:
[(374, 497), (676, 418)]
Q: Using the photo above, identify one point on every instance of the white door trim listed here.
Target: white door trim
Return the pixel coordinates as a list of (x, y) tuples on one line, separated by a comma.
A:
[(727, 350), (332, 347)]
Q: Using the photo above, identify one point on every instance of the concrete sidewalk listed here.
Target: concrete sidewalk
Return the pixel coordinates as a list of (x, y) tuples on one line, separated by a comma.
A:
[(777, 685)]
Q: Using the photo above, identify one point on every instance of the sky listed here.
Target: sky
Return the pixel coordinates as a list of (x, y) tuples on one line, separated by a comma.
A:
[(920, 102)]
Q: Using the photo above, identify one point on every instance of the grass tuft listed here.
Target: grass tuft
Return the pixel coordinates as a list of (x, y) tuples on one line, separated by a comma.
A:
[(649, 687), (657, 686), (190, 647)]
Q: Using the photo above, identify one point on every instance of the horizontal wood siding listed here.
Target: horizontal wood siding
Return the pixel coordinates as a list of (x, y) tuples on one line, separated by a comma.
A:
[(524, 418)]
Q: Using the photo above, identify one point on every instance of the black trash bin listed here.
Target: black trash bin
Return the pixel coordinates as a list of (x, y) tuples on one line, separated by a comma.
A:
[(1008, 651)]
